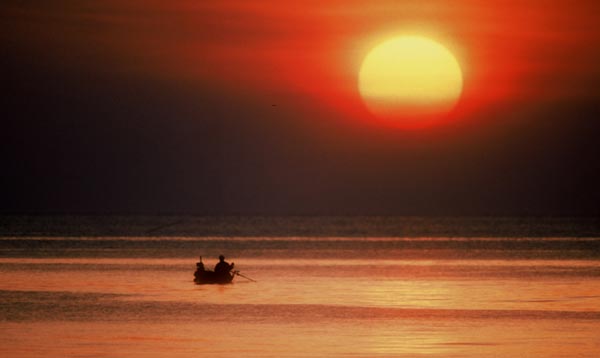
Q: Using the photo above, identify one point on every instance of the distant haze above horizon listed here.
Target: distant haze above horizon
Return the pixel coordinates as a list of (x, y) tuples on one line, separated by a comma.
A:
[(252, 108)]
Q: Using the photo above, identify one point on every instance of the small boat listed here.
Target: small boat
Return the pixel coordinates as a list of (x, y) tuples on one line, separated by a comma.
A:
[(203, 277), (223, 276)]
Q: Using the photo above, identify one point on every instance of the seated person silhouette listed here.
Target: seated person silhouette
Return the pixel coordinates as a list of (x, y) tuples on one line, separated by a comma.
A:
[(223, 267), (200, 265)]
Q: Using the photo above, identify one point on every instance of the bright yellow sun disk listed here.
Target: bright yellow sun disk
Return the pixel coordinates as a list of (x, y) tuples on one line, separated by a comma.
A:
[(410, 76)]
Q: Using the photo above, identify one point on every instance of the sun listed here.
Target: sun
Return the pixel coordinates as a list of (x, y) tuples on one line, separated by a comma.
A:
[(410, 78)]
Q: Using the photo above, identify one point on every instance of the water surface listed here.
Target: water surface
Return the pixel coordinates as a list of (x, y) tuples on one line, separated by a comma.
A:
[(316, 296)]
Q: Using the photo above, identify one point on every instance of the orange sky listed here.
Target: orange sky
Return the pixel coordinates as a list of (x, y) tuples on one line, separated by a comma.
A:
[(252, 106), (509, 50)]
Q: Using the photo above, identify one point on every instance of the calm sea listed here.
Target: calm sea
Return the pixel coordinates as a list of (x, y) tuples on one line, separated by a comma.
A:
[(326, 287)]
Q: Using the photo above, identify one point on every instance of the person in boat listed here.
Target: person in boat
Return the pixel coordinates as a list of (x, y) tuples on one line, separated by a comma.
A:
[(223, 267), (199, 269), (200, 265)]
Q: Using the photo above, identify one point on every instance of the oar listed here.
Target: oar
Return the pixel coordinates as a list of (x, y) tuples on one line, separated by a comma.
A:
[(246, 277)]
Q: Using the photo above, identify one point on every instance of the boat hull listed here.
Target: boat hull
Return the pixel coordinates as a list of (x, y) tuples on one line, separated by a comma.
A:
[(212, 278)]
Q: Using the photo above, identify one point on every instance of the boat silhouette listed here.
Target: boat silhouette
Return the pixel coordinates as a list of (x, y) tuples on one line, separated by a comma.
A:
[(204, 277)]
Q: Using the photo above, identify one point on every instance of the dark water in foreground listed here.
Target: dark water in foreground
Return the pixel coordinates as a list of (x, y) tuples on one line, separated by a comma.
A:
[(500, 294)]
